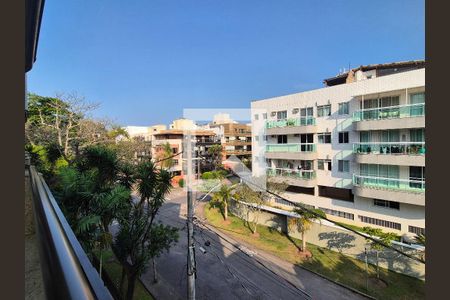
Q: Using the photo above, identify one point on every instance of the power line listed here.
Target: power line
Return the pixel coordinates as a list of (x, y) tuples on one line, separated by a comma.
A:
[(304, 293), (251, 266)]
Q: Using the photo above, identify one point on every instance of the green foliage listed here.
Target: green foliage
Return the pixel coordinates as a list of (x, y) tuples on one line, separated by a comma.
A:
[(384, 237), (181, 182), (104, 161), (219, 174), (420, 239), (45, 108)]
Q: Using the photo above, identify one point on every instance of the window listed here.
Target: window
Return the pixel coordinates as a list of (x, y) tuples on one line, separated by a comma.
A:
[(264, 116), (256, 117), (321, 163), (417, 98), (417, 177), (281, 115), (336, 193), (343, 166), (380, 222), (416, 230), (417, 135), (324, 110), (343, 108), (265, 138), (343, 137), (386, 204), (282, 139), (324, 138), (174, 150), (338, 213)]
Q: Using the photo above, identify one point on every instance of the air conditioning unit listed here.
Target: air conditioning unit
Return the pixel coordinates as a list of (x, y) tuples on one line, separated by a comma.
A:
[(273, 114), (295, 111), (296, 135), (273, 136)]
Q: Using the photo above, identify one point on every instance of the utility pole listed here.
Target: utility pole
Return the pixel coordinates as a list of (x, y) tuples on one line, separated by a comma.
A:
[(190, 218)]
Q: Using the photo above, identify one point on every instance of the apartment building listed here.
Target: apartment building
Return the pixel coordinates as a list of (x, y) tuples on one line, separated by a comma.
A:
[(355, 148), (174, 137), (236, 139)]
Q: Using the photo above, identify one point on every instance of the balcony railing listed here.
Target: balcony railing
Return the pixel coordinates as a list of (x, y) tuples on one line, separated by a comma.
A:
[(67, 271), (389, 183), (307, 147), (405, 148), (391, 112), (292, 173), (303, 121)]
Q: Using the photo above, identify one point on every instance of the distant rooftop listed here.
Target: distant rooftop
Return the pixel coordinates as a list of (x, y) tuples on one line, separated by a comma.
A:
[(380, 70)]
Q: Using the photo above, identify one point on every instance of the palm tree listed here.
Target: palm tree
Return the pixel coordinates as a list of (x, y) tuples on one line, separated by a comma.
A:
[(165, 156), (140, 240), (420, 239), (222, 196), (304, 223)]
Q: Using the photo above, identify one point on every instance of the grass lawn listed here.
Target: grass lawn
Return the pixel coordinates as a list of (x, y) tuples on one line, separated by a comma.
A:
[(114, 270), (330, 264)]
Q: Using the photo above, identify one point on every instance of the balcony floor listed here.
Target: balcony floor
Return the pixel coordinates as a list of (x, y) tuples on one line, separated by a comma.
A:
[(34, 286)]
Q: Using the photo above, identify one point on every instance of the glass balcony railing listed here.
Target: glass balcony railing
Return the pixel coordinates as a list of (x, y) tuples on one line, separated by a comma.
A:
[(307, 147), (392, 112), (303, 121), (300, 174), (389, 183), (405, 148)]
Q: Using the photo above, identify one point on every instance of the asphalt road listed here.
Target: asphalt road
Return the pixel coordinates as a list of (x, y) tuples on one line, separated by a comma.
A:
[(225, 272)]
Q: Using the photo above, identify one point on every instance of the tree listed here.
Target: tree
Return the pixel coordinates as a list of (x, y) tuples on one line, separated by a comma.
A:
[(420, 239), (56, 119), (140, 240), (305, 221), (164, 156), (215, 151), (253, 201), (385, 238), (223, 196)]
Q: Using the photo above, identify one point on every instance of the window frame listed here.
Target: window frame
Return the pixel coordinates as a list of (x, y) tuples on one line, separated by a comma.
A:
[(341, 110), (343, 165), (345, 136)]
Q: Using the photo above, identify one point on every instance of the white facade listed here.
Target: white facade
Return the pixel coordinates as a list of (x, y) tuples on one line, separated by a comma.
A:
[(286, 132)]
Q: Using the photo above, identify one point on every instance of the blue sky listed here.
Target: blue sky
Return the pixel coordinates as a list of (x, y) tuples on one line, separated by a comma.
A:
[(145, 61)]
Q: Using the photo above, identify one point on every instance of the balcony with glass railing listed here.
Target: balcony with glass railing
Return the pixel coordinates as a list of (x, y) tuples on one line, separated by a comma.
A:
[(303, 121), (407, 185), (291, 148), (401, 148), (391, 112), (292, 173)]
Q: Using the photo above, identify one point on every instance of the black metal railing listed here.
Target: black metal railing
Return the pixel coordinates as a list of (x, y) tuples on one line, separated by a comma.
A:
[(67, 271)]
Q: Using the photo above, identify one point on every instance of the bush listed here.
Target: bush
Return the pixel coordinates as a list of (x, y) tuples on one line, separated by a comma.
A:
[(207, 175), (181, 182)]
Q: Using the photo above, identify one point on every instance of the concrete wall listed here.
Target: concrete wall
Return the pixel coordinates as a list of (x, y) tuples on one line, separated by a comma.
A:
[(327, 235)]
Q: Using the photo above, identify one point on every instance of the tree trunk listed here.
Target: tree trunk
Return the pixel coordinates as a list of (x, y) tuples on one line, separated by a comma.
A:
[(378, 267), (122, 281), (225, 210), (155, 278), (101, 263), (131, 284), (303, 242)]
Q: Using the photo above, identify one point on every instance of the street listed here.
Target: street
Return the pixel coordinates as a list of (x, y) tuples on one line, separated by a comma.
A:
[(228, 269)]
